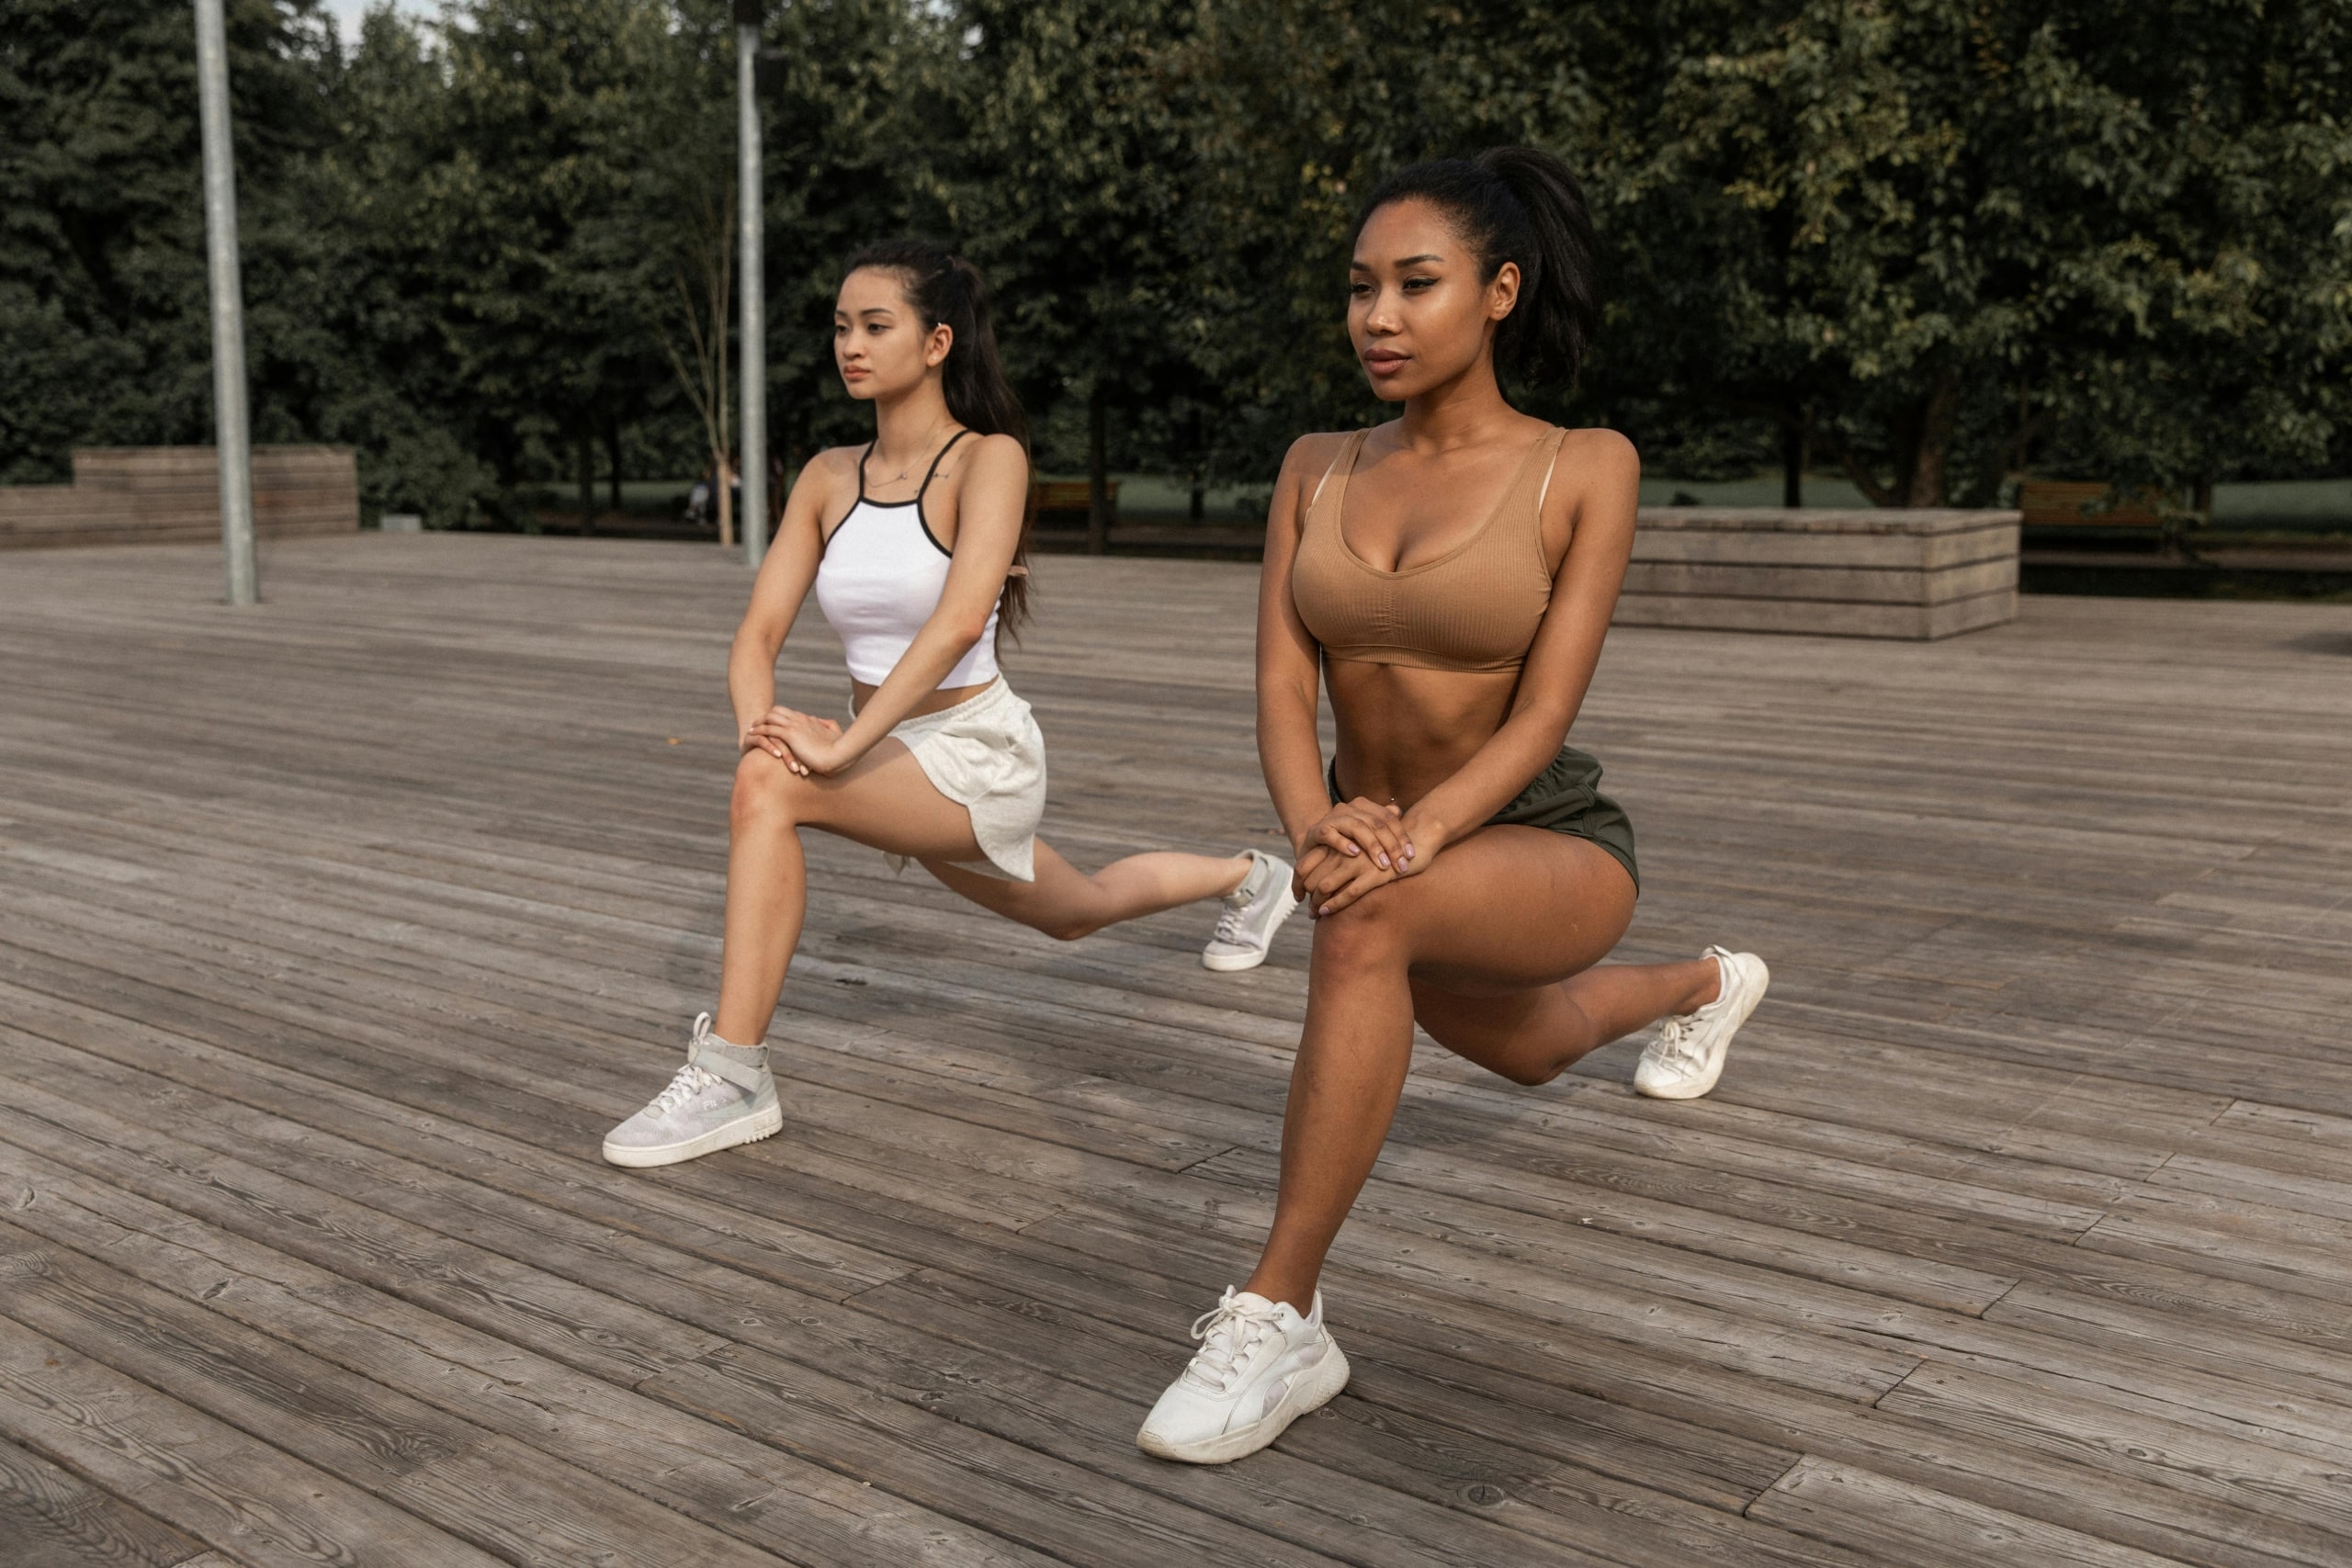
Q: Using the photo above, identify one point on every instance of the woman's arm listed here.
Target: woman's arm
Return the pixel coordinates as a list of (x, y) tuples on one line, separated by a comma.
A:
[(1290, 749), (988, 507), (1289, 660), (1597, 513), (785, 572)]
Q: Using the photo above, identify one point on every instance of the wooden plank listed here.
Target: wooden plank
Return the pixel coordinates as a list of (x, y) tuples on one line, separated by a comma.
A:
[(1833, 583), (1899, 1523), (145, 495), (509, 1499), (1754, 547), (51, 1518), (2041, 973), (264, 1508), (1810, 618), (822, 1419), (2294, 1484), (2069, 503), (708, 1472)]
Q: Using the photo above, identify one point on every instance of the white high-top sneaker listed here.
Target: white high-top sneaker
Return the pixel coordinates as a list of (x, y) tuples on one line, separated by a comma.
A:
[(1254, 913), (723, 1095), (1687, 1057), (1261, 1367)]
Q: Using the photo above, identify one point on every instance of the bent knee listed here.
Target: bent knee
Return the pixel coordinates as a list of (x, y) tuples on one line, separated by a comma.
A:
[(1068, 929), (765, 791), (1368, 933)]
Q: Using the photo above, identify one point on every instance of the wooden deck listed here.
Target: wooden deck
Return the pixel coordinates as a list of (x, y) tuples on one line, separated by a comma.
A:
[(334, 935)]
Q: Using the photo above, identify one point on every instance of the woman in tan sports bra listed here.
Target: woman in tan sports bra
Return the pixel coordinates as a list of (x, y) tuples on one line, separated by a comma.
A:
[(1450, 574)]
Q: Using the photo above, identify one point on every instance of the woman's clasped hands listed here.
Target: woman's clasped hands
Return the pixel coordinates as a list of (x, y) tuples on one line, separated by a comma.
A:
[(802, 742), (1357, 846)]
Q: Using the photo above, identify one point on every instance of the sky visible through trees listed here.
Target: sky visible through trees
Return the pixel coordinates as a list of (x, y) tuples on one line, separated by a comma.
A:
[(1931, 244)]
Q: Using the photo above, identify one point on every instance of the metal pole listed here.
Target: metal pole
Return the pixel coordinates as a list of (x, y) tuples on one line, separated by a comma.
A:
[(228, 307), (754, 358)]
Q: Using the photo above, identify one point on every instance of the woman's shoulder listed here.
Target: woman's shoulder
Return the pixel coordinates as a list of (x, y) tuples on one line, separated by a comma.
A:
[(1316, 451), (833, 464), (998, 447), (1598, 449)]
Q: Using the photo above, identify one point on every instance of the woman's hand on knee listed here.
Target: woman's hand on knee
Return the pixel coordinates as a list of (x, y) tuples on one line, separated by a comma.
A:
[(1335, 881), (1360, 829), (774, 733)]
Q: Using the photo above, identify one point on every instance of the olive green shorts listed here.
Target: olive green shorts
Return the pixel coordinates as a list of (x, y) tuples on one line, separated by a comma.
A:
[(1564, 798)]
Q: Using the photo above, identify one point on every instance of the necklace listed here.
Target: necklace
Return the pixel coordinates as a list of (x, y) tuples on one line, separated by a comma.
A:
[(909, 468)]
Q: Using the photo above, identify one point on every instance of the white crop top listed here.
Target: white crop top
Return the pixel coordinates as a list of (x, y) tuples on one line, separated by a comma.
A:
[(880, 578)]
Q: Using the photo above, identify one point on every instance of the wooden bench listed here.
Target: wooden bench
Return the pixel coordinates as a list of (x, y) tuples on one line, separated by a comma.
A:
[(1916, 574), (172, 494), (1064, 497), (2069, 504)]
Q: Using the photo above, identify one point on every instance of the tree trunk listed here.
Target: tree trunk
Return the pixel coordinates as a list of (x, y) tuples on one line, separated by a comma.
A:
[(587, 479), (613, 452), (1199, 507), (1098, 471), (722, 481), (1796, 449), (1929, 455)]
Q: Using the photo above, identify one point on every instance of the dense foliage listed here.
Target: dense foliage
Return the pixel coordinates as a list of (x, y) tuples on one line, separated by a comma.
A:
[(1934, 241)]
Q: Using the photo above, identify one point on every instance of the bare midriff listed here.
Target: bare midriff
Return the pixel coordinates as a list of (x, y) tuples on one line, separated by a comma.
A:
[(1402, 730), (939, 701)]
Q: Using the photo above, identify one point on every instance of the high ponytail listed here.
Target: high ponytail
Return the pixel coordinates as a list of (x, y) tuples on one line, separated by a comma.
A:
[(1515, 204), (947, 291)]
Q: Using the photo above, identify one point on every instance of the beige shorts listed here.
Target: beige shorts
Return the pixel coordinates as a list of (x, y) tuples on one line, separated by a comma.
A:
[(986, 755)]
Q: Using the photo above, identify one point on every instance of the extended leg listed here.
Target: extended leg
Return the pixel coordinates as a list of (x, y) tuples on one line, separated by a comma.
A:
[(1531, 1037), (1067, 903)]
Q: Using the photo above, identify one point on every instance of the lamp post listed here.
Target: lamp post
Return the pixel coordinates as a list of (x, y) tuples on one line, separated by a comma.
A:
[(754, 467), (228, 307)]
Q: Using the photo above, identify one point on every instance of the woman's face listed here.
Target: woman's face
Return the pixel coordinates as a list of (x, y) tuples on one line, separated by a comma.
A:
[(1417, 312), (879, 344)]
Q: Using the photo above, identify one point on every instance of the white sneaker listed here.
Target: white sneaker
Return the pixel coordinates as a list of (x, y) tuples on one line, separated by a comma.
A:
[(1259, 1368), (723, 1095), (1253, 912), (1687, 1057)]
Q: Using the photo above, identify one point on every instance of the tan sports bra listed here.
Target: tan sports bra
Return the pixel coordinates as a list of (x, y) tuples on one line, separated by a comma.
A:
[(1476, 607)]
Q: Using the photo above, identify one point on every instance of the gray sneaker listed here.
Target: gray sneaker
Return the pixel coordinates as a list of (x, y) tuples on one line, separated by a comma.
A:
[(718, 1099), (1254, 913)]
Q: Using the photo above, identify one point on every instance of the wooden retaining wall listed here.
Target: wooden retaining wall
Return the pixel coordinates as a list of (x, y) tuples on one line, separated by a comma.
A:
[(1911, 574), (172, 494)]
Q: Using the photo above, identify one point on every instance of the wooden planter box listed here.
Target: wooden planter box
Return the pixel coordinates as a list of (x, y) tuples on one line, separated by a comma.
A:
[(172, 494), (1888, 573)]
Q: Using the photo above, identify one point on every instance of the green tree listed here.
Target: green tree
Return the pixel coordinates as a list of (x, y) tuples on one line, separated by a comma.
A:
[(1303, 107), (1073, 194), (1928, 233), (861, 106), (538, 132), (104, 330)]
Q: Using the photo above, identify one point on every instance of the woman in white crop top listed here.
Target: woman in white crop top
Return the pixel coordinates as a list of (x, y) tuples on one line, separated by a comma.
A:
[(913, 544)]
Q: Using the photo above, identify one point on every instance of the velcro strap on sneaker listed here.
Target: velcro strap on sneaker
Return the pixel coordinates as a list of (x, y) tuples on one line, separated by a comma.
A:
[(720, 1063)]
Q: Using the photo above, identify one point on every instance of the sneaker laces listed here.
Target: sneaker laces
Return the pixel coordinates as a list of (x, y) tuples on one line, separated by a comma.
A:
[(1674, 1041), (1232, 925), (691, 1080), (1228, 1331)]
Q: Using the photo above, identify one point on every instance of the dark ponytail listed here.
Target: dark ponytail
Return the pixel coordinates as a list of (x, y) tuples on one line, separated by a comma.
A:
[(947, 291), (1515, 204)]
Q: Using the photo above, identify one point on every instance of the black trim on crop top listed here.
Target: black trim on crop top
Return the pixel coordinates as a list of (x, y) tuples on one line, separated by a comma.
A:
[(921, 491)]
